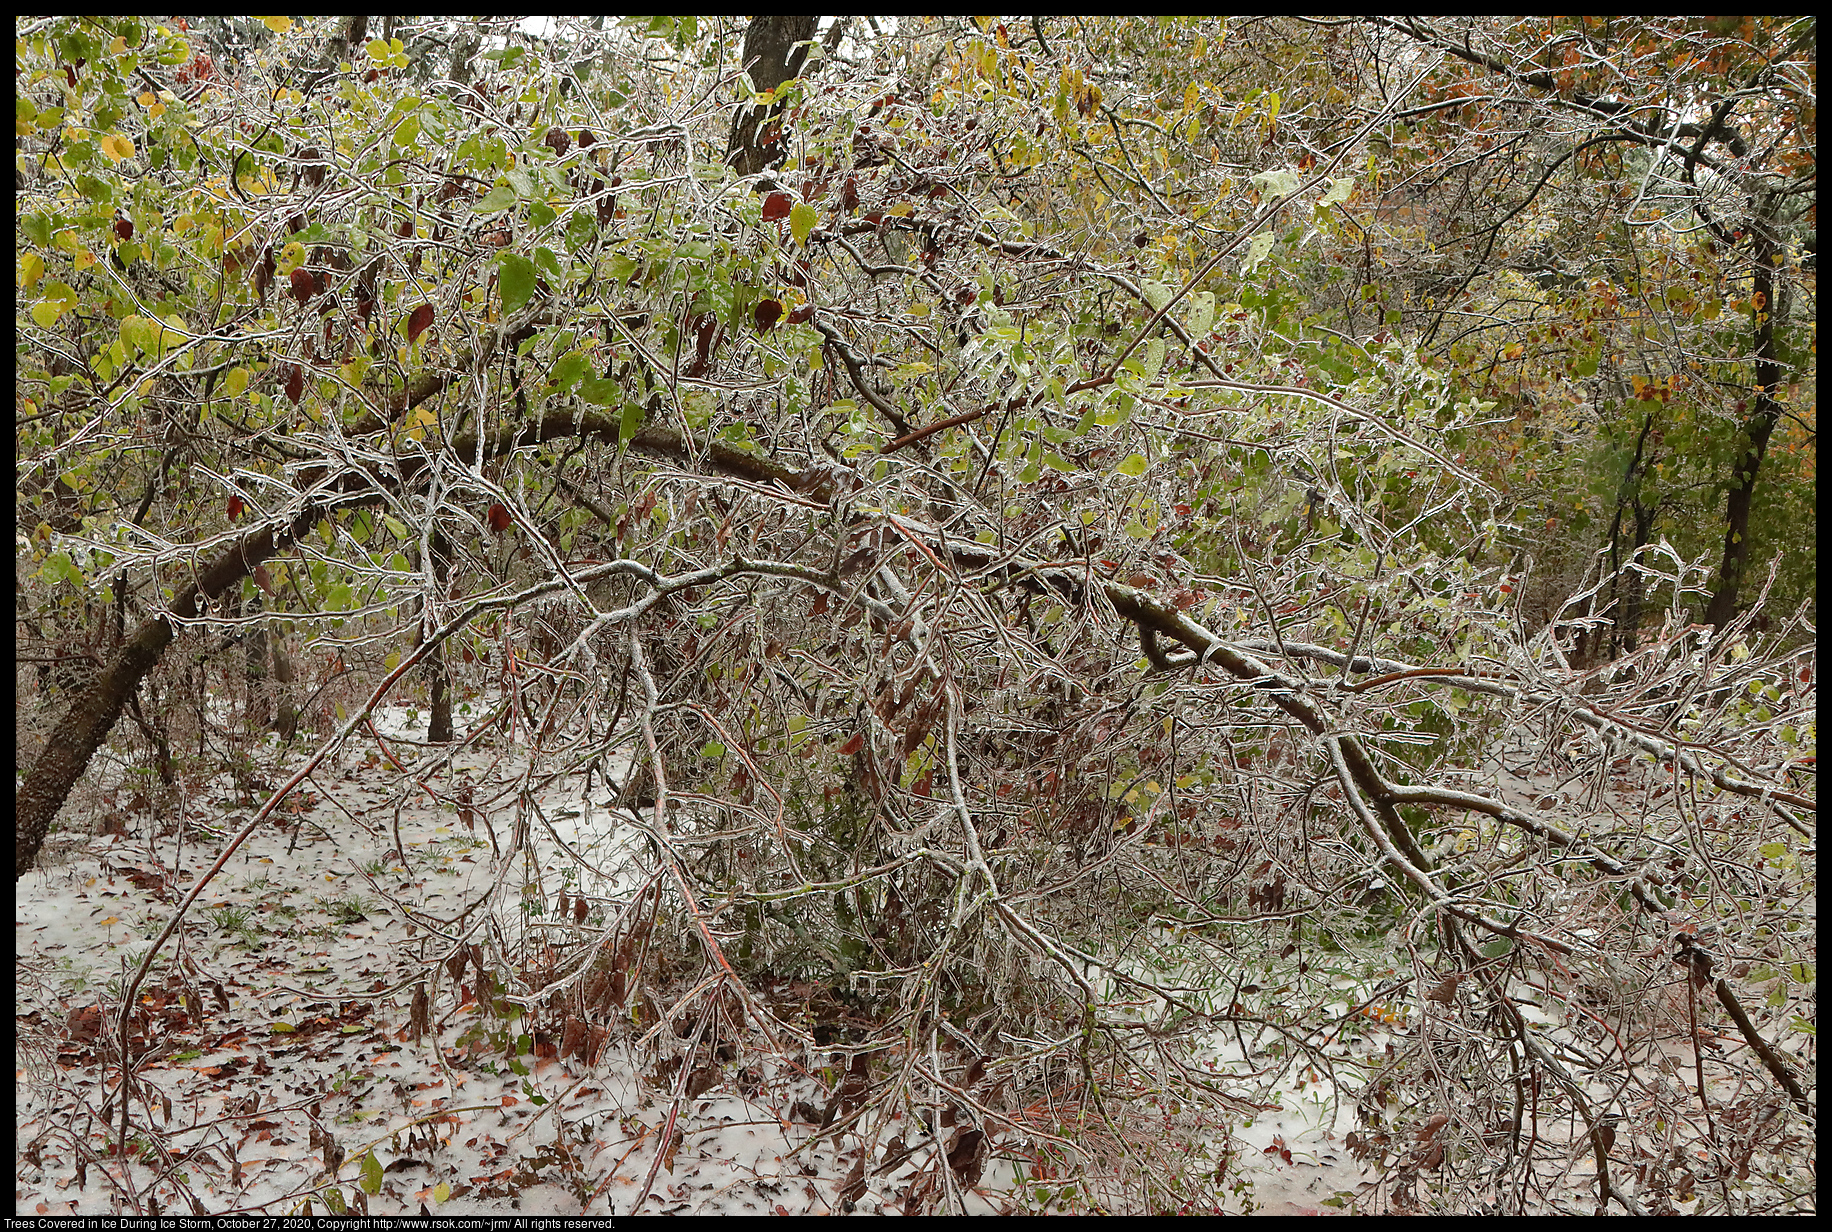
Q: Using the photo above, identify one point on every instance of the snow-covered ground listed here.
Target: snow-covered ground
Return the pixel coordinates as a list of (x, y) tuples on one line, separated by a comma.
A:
[(277, 1063)]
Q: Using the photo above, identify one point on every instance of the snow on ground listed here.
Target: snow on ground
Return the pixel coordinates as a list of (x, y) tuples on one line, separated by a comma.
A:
[(276, 1060)]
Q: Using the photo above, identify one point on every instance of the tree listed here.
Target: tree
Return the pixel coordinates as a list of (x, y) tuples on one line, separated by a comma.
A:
[(1020, 595), (1659, 190)]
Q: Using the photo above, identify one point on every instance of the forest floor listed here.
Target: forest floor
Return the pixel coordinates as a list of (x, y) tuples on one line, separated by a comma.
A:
[(276, 1061)]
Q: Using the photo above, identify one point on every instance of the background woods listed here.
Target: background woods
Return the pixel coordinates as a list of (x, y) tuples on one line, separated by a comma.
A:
[(1103, 572)]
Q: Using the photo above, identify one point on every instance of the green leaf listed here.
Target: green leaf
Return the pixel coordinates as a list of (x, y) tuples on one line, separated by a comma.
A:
[(516, 280), (498, 199), (1275, 184), (600, 391), (632, 421), (1257, 249), (1134, 466), (801, 221), (568, 370)]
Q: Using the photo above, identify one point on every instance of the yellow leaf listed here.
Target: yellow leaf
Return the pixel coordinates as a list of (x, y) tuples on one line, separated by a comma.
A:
[(117, 147), (279, 25), (31, 269), (441, 1192)]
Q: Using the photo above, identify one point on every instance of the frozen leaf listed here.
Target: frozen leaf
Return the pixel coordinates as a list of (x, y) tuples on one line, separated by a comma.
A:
[(516, 280), (801, 221)]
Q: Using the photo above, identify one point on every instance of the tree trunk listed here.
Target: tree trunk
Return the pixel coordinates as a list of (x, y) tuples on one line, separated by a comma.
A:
[(771, 57), (75, 738), (1756, 433), (437, 670)]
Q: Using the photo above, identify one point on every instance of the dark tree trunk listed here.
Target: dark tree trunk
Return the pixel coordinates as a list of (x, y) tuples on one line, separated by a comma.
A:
[(75, 738), (1757, 430), (437, 669), (771, 57)]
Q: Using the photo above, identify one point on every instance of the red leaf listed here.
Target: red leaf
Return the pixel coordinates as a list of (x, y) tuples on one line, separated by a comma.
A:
[(303, 285), (854, 745), (418, 321), (776, 205), (295, 384), (802, 315), (123, 229), (767, 313), (235, 508), (849, 194), (500, 520)]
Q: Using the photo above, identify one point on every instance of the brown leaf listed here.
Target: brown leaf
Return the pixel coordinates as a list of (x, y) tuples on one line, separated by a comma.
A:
[(854, 1187), (420, 1019), (968, 1157), (418, 320), (313, 170), (303, 284), (295, 384), (1446, 991), (776, 205), (767, 313)]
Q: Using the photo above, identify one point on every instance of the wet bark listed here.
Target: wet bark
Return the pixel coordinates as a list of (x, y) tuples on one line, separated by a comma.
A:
[(1764, 416), (772, 56)]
